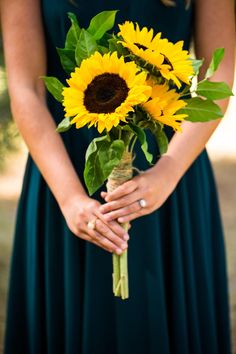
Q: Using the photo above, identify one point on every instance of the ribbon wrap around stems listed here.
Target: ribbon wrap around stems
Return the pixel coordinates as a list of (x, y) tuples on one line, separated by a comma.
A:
[(120, 174)]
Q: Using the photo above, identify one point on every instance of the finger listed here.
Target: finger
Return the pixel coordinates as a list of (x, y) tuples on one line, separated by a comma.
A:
[(86, 237), (130, 209), (98, 238), (120, 203), (114, 226), (106, 232), (83, 235), (124, 189), (119, 230), (103, 194), (105, 242), (131, 217)]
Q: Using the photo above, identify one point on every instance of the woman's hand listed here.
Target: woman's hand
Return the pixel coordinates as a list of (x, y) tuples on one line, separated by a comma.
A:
[(154, 186), (107, 235)]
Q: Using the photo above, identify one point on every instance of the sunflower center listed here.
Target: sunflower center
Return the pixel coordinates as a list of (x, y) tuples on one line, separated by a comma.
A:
[(140, 46), (167, 62), (105, 93)]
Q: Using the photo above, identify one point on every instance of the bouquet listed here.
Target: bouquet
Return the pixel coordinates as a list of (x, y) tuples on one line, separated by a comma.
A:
[(124, 84)]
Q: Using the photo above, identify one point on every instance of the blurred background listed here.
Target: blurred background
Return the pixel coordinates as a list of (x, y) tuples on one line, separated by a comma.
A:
[(222, 150)]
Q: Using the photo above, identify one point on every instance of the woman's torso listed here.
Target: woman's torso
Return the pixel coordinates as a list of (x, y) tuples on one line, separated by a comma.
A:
[(174, 22)]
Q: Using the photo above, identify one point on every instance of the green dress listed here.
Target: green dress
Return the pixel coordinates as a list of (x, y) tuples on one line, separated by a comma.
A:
[(60, 293)]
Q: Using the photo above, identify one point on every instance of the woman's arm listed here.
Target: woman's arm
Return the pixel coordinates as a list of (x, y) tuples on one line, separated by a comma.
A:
[(214, 28), (25, 56)]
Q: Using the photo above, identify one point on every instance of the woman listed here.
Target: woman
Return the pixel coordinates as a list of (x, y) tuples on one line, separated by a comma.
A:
[(60, 298)]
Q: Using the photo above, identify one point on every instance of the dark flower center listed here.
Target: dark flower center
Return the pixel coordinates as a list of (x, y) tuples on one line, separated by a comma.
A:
[(167, 62), (105, 93), (140, 46)]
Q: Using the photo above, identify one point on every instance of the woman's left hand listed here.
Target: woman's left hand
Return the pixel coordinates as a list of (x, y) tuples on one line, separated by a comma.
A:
[(153, 186)]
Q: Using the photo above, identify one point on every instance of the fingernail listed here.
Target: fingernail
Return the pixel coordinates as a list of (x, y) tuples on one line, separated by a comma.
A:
[(119, 251), (120, 220), (124, 246), (126, 237)]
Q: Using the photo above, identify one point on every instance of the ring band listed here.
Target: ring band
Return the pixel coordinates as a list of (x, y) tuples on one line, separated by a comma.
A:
[(92, 224), (142, 203)]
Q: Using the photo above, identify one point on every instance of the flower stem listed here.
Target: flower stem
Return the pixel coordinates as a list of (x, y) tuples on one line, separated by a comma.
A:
[(124, 275), (120, 273), (116, 274), (119, 175), (132, 144)]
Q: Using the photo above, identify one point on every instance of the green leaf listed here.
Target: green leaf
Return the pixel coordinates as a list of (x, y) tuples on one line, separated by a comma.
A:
[(102, 49), (200, 110), (85, 47), (157, 130), (54, 86), (94, 144), (101, 23), (127, 128), (64, 125), (197, 64), (102, 156), (218, 56), (143, 141), (67, 58), (214, 90), (111, 157), (117, 47), (73, 34), (113, 44), (105, 38), (161, 139)]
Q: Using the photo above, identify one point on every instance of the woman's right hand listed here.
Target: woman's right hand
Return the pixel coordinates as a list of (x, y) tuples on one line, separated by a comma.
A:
[(110, 236)]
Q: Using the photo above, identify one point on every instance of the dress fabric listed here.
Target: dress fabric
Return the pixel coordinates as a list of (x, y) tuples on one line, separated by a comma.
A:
[(60, 292)]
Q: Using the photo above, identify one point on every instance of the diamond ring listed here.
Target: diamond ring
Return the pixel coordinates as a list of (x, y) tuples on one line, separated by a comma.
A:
[(142, 203)]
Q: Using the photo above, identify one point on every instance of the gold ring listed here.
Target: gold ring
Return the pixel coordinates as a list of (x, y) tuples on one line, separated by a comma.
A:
[(92, 224)]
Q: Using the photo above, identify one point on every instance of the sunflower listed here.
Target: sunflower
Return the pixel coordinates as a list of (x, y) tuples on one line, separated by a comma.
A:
[(103, 91), (170, 59), (163, 105), (177, 64), (141, 42)]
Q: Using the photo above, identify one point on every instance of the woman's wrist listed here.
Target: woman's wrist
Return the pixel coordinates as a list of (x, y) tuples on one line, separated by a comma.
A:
[(74, 196), (170, 167)]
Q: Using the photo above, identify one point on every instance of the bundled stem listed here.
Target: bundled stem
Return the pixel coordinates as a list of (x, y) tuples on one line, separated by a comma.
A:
[(119, 175)]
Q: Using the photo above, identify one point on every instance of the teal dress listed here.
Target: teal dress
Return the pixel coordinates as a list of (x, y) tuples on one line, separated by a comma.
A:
[(60, 293)]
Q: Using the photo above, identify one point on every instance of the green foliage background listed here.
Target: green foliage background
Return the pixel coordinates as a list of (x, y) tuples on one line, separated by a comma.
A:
[(9, 137)]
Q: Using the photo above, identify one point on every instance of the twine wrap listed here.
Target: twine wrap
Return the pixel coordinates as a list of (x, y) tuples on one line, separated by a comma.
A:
[(120, 174)]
